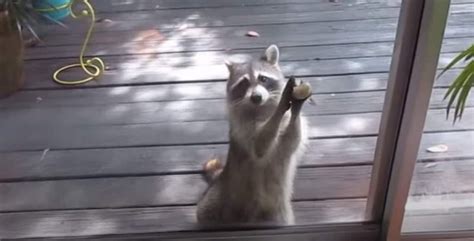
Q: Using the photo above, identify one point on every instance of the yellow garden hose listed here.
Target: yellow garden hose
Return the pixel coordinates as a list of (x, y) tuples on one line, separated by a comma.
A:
[(93, 67)]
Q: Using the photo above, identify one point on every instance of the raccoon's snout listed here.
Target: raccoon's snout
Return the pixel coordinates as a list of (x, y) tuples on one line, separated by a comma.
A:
[(256, 98), (259, 95)]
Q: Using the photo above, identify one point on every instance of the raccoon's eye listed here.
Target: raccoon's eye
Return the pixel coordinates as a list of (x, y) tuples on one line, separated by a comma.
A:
[(263, 79)]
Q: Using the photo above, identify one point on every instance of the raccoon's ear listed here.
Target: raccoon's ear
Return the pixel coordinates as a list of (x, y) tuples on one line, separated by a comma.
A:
[(272, 54), (229, 64)]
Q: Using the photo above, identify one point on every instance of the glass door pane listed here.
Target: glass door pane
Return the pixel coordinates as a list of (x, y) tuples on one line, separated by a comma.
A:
[(442, 188), (125, 154)]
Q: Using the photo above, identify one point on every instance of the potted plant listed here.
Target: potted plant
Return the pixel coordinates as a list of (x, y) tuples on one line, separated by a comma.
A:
[(15, 16)]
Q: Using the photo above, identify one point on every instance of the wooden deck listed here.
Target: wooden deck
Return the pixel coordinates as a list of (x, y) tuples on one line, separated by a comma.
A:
[(122, 155)]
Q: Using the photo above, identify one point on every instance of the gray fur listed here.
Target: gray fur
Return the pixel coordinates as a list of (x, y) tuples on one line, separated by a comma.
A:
[(266, 140)]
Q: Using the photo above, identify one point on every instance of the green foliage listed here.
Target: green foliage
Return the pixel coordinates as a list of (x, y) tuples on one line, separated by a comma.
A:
[(24, 14), (459, 90)]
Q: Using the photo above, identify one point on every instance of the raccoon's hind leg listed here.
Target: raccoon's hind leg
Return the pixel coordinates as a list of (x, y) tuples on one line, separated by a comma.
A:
[(212, 169)]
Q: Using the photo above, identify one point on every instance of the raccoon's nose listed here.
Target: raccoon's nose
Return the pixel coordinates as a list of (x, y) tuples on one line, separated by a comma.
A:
[(256, 98)]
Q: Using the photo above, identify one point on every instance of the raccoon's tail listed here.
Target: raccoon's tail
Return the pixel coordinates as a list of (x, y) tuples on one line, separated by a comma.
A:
[(212, 169)]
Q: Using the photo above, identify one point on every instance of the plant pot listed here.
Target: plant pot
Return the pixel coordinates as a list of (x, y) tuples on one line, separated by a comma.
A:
[(55, 9), (11, 55)]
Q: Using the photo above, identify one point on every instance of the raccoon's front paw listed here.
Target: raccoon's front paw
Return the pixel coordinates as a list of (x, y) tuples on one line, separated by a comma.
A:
[(286, 97), (301, 91)]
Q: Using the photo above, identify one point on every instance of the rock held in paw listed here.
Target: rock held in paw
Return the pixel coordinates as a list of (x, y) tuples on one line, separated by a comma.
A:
[(212, 165), (302, 91)]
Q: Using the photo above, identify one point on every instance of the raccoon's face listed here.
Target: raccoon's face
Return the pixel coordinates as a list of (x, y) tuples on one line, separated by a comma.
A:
[(256, 84)]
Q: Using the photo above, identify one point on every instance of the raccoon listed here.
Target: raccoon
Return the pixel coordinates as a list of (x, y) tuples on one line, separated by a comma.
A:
[(267, 137)]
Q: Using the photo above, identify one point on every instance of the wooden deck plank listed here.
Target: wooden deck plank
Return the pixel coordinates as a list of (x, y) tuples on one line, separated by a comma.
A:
[(77, 113), (310, 184), (191, 91), (145, 69), (335, 182), (195, 132), (300, 53), (95, 114), (145, 5), (160, 133), (142, 71), (172, 19), (454, 203), (320, 11), (117, 221), (205, 39), (202, 39), (184, 62), (185, 19), (155, 74), (215, 57), (145, 220), (447, 175), (57, 164), (187, 91), (225, 22), (267, 14), (435, 213), (443, 222), (223, 34), (231, 16), (133, 73)]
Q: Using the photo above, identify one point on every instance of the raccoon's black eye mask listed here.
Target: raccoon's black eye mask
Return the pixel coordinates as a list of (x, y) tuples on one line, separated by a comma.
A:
[(239, 91), (269, 83), (264, 79)]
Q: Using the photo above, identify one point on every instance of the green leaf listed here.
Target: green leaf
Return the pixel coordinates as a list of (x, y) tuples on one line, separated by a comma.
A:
[(468, 89), (452, 87), (463, 97), (30, 28), (469, 56), (456, 86), (458, 58), (456, 83)]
